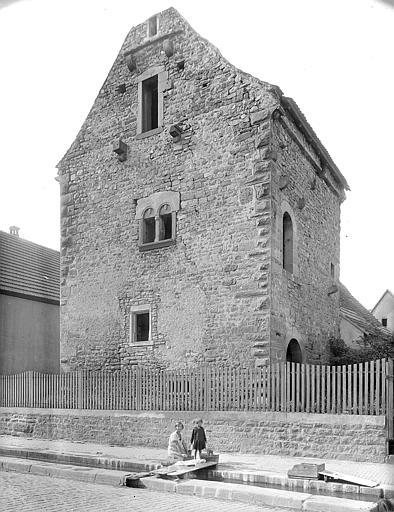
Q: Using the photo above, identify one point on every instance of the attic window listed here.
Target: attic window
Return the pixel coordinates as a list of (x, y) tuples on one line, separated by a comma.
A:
[(150, 103), (152, 26), (384, 322)]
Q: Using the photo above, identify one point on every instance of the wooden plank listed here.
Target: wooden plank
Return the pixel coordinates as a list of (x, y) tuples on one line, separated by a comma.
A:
[(302, 406), (318, 389), (328, 407), (264, 386), (360, 388), (349, 389), (344, 390), (335, 475), (366, 387), (269, 392), (378, 387), (390, 398), (384, 385), (313, 388), (334, 395), (371, 408)]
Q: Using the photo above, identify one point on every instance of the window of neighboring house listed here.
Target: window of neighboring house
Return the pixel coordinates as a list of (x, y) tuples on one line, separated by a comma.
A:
[(149, 226), (384, 322), (150, 103), (165, 222), (287, 243), (152, 26), (140, 324)]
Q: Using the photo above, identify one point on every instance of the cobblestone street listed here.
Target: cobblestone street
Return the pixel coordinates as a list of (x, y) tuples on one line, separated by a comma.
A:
[(30, 493)]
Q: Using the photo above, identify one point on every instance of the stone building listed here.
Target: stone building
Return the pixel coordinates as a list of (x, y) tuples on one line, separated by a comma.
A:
[(200, 215)]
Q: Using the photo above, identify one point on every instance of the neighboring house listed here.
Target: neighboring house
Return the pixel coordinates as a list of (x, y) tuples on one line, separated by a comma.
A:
[(29, 305), (200, 215), (384, 310), (356, 320)]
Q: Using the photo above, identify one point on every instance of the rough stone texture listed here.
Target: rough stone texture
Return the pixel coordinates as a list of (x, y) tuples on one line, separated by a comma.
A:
[(219, 293), (360, 438)]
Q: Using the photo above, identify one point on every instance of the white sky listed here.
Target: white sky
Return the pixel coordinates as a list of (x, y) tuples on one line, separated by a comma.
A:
[(334, 57)]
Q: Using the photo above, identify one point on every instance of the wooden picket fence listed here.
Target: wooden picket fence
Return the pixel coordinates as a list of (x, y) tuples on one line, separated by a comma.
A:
[(353, 389)]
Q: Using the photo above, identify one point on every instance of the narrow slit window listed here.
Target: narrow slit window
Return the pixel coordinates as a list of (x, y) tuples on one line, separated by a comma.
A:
[(332, 270), (150, 103), (287, 243), (165, 217), (152, 26), (149, 223)]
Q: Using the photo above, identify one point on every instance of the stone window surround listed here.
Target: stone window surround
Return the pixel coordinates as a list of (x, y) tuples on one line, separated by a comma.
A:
[(148, 36), (133, 311), (162, 82), (286, 208), (156, 201)]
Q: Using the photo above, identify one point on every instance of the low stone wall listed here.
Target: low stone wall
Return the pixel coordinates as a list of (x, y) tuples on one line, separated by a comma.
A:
[(361, 438)]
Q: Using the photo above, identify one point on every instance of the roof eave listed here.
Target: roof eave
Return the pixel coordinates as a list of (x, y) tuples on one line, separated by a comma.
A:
[(290, 105)]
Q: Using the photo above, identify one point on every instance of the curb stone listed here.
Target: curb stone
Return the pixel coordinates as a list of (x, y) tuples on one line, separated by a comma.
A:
[(259, 495), (217, 490)]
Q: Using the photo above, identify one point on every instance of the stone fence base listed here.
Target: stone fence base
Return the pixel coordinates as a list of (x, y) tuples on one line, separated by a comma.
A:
[(360, 438)]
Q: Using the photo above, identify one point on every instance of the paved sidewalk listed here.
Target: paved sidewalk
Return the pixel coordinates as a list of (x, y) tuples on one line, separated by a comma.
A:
[(382, 473)]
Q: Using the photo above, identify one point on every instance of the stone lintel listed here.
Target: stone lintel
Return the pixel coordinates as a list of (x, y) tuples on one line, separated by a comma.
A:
[(250, 294), (151, 41)]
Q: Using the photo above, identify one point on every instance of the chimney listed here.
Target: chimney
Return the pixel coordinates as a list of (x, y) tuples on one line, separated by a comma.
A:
[(14, 230)]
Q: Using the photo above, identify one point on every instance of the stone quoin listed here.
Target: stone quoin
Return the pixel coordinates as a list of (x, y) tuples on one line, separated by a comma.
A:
[(200, 215)]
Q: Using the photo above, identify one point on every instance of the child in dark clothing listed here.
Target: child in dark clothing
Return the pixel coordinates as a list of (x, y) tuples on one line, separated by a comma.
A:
[(199, 439)]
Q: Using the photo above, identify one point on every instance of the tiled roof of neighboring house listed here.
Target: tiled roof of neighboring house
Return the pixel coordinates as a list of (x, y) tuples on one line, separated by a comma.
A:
[(28, 269), (387, 292), (357, 314)]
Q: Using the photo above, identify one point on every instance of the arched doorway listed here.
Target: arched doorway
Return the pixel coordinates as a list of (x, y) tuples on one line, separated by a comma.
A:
[(293, 352)]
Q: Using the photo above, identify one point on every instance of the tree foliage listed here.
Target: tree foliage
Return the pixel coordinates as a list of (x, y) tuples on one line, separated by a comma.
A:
[(368, 348)]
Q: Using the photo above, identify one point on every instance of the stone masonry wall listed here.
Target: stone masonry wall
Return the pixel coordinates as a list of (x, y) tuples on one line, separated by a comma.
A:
[(303, 306), (218, 294), (361, 438), (210, 291)]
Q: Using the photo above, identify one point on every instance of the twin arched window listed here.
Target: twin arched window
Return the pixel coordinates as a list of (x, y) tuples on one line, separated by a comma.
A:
[(157, 219), (159, 225)]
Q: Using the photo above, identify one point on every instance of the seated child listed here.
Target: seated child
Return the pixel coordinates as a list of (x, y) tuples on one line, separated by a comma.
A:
[(176, 445)]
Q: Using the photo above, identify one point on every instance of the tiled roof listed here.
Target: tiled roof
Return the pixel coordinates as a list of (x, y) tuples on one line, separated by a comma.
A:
[(28, 269), (357, 314), (290, 104)]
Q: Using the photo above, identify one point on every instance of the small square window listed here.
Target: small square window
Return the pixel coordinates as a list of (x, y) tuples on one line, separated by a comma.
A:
[(150, 103), (152, 26), (384, 322), (140, 324), (142, 327)]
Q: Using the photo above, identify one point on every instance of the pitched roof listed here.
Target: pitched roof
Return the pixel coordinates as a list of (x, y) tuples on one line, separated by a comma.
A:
[(357, 314), (314, 140), (387, 292), (28, 269)]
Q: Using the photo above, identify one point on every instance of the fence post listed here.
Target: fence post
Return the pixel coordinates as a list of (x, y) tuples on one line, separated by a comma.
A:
[(79, 390), (390, 399)]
